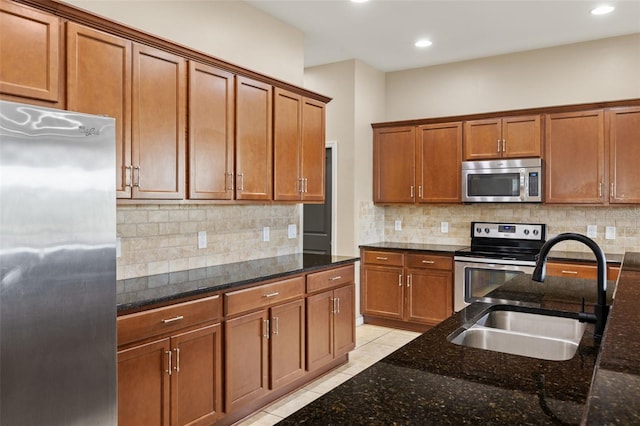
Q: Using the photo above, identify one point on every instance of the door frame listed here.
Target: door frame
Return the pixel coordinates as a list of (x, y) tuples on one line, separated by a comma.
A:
[(334, 193)]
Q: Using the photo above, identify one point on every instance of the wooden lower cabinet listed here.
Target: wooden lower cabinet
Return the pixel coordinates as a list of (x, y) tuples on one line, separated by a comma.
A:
[(172, 381), (406, 289), (264, 350), (330, 325)]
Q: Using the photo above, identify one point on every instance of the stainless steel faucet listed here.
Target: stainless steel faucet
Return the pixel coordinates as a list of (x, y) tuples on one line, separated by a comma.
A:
[(601, 309)]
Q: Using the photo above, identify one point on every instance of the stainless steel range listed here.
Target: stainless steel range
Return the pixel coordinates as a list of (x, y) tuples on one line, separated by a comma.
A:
[(498, 252)]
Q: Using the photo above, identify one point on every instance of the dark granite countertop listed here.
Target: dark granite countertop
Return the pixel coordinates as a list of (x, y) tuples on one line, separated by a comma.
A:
[(450, 249), (436, 248), (139, 293), (430, 381)]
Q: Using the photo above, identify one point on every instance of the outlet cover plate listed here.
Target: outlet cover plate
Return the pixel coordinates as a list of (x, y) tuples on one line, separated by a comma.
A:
[(398, 225), (292, 231), (592, 231), (610, 233), (444, 227), (202, 239), (265, 233)]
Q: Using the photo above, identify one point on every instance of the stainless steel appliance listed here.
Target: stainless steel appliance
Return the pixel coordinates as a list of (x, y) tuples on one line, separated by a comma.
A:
[(502, 181), (498, 252), (57, 267)]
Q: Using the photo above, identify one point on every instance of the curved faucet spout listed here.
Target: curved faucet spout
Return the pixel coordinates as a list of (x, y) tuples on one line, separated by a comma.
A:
[(601, 307)]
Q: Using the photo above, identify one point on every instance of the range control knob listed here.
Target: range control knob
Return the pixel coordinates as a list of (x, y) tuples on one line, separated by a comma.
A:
[(478, 230), (535, 232), (526, 232), (486, 230)]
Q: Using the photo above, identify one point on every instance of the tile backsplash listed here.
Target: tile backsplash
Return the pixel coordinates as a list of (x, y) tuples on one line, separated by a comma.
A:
[(422, 224), (157, 239)]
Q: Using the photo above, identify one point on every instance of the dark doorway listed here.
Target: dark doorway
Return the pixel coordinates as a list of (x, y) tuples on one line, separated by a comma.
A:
[(317, 217)]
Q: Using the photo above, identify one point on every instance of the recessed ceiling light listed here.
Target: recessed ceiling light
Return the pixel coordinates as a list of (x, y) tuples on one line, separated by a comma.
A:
[(423, 43), (602, 10)]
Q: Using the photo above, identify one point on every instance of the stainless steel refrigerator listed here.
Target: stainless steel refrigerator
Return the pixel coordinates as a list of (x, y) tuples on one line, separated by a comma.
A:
[(57, 267)]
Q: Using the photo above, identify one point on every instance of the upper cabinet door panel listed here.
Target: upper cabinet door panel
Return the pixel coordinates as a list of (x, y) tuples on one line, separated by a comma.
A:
[(439, 153), (394, 165), (99, 82), (313, 149), (253, 140), (29, 52), (482, 139), (521, 136), (624, 155), (287, 134), (574, 149), (159, 115), (211, 132)]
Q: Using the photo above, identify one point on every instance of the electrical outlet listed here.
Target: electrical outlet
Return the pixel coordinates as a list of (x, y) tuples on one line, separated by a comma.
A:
[(265, 233), (398, 225), (592, 231), (444, 227), (610, 233), (292, 232), (118, 247), (202, 239)]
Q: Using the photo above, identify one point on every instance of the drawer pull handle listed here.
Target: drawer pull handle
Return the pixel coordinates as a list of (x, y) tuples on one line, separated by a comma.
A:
[(381, 258), (274, 294), (570, 272), (429, 262), (176, 318), (335, 278)]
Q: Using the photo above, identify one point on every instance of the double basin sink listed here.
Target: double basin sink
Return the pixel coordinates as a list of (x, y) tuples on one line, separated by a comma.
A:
[(523, 331)]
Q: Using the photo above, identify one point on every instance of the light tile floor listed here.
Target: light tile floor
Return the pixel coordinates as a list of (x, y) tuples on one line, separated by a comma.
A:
[(372, 344)]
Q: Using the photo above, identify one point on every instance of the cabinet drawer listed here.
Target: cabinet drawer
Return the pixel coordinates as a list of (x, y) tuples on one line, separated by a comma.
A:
[(577, 270), (263, 295), (331, 278), (383, 258), (430, 261), (153, 322)]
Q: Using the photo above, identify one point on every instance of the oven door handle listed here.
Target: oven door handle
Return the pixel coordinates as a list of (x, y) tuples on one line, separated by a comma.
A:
[(485, 262)]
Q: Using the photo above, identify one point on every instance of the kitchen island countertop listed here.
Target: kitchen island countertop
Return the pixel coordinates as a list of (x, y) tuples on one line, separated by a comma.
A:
[(430, 381)]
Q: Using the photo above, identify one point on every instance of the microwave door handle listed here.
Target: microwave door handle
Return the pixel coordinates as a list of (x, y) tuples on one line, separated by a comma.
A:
[(524, 187)]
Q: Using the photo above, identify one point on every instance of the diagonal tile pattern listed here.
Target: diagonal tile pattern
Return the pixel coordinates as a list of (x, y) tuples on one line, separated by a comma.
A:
[(372, 344)]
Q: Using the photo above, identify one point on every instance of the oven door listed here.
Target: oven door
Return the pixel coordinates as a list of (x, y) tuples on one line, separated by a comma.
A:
[(475, 278)]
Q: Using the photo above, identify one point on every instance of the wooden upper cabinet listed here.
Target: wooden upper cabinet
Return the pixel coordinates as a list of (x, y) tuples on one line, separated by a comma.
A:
[(211, 132), (299, 168), (509, 137), (99, 82), (287, 136), (439, 153), (574, 155), (29, 53), (253, 140), (313, 149), (159, 118), (394, 164), (624, 155)]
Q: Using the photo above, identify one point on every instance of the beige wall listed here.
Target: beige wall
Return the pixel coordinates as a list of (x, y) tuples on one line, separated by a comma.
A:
[(229, 30), (600, 70), (357, 92)]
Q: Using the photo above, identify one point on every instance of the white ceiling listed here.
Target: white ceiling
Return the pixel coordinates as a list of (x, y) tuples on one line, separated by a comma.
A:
[(381, 33)]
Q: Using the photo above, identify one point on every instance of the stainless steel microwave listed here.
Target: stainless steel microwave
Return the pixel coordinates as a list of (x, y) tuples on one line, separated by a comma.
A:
[(502, 181)]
